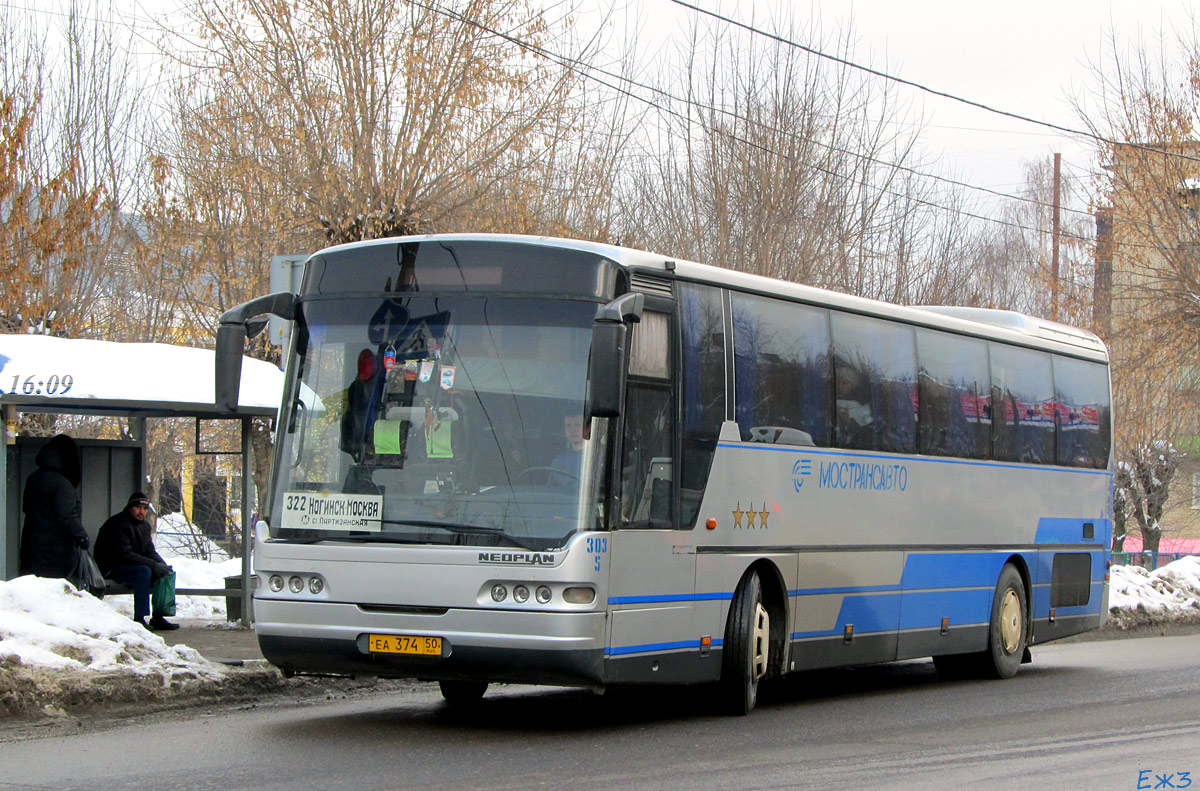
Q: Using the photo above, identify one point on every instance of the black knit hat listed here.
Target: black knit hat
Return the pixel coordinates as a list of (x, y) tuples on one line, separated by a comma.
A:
[(138, 498)]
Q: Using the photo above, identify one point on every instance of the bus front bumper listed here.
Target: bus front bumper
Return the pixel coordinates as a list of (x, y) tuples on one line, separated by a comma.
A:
[(564, 648)]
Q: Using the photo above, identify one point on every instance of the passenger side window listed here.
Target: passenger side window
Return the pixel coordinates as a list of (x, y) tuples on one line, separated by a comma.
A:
[(647, 463), (1084, 413), (702, 379), (954, 395), (783, 374), (875, 384), (1022, 405)]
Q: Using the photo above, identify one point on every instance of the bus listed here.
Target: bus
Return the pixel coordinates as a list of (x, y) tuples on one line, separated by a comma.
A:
[(535, 460)]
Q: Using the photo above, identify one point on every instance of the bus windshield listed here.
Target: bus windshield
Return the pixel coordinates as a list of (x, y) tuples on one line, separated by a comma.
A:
[(439, 420)]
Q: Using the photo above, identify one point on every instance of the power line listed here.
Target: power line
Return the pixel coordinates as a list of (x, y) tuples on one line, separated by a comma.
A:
[(570, 62), (583, 68), (943, 94)]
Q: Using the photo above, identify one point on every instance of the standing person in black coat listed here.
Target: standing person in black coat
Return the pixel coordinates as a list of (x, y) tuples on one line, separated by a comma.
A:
[(125, 552), (53, 533)]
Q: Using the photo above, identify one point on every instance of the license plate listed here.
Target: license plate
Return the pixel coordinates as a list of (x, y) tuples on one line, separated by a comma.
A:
[(420, 645)]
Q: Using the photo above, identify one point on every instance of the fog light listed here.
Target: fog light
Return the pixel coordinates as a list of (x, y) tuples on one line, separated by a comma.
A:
[(543, 594), (579, 595), (276, 583), (521, 593), (295, 584), (499, 593), (316, 585)]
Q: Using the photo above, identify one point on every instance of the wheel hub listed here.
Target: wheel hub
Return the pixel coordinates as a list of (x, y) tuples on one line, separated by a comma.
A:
[(762, 640), (1010, 621)]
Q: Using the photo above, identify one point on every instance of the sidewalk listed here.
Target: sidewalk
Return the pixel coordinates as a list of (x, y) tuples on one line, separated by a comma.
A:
[(216, 641)]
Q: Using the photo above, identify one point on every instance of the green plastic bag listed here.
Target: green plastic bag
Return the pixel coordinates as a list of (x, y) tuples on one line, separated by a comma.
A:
[(437, 440), (162, 597)]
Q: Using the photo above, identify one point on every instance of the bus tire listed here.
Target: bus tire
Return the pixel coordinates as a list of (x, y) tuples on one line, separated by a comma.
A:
[(746, 651), (1008, 630), (463, 692)]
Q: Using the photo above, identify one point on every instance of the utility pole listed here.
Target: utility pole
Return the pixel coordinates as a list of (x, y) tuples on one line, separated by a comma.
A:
[(1054, 239)]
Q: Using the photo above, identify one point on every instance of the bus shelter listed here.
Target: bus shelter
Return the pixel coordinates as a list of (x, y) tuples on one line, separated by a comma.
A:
[(137, 381)]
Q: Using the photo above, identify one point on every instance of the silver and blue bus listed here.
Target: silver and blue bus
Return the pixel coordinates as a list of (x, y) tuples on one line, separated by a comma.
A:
[(534, 460)]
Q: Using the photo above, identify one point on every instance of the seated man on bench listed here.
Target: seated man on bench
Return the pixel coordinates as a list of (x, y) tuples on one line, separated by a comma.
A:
[(125, 552)]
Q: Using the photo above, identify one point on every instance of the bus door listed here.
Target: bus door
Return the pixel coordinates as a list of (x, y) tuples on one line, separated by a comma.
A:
[(652, 581)]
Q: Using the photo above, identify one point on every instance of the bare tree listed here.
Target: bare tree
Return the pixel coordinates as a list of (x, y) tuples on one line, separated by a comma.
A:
[(1144, 484), (302, 123), (777, 164), (1144, 107), (71, 161)]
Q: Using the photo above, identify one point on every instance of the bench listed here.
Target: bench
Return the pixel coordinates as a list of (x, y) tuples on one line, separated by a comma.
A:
[(119, 588), (231, 595)]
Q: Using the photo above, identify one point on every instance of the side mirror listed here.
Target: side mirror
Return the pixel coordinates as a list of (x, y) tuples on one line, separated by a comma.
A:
[(606, 365), (231, 342), (606, 369)]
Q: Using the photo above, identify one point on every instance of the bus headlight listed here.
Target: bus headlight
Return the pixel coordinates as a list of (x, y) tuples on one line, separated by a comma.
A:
[(521, 593), (543, 594), (276, 583), (499, 593), (295, 584), (316, 585)]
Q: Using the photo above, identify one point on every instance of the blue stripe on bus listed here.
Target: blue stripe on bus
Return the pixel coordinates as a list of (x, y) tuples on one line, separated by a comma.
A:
[(933, 570), (926, 609), (933, 586), (925, 459), (669, 597), (1070, 531), (847, 589), (639, 649)]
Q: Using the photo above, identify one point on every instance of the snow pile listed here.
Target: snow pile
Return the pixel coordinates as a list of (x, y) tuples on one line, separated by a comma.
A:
[(1171, 594), (47, 623)]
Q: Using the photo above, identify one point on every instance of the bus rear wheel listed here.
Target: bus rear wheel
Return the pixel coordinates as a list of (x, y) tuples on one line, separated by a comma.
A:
[(1008, 635), (463, 692), (1008, 631), (746, 651)]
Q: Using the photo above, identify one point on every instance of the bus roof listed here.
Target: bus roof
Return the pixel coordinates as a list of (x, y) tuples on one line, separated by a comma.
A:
[(999, 324)]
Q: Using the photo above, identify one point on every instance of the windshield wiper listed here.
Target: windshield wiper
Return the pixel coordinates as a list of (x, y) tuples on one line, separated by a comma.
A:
[(361, 538), (461, 529)]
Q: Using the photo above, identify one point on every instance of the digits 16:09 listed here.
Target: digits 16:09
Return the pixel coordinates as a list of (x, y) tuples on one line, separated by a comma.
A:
[(51, 385)]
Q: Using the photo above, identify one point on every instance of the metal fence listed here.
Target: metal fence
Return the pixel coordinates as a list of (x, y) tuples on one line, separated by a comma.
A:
[(1147, 560)]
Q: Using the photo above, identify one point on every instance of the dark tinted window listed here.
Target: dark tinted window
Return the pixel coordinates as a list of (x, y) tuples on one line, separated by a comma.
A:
[(440, 265), (875, 384), (954, 395), (646, 474), (647, 465), (702, 378), (781, 350), (1084, 412), (1022, 405)]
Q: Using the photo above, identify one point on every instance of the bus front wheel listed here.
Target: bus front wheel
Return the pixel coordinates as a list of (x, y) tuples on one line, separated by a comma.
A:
[(745, 654), (462, 692)]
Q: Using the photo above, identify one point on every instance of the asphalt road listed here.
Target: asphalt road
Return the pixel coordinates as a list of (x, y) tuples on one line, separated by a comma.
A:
[(1121, 714)]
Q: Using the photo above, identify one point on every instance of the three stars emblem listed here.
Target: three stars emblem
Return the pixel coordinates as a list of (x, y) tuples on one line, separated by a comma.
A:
[(750, 515)]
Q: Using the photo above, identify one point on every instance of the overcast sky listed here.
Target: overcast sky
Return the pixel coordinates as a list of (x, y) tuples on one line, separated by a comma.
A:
[(1022, 56)]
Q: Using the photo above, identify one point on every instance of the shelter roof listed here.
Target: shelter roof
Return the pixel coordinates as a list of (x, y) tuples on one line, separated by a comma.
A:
[(45, 374)]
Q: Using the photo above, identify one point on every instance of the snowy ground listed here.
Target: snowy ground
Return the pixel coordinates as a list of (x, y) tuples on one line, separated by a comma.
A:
[(1170, 595), (64, 649)]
